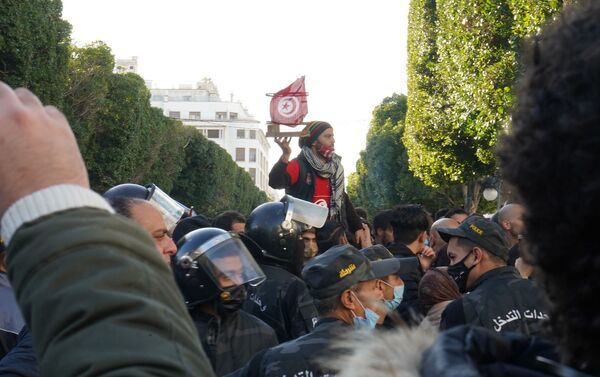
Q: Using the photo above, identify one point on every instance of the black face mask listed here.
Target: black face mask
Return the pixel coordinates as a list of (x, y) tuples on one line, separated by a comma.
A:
[(231, 300), (460, 273)]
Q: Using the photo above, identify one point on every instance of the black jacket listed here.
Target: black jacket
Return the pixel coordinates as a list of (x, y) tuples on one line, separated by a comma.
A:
[(410, 310), (304, 188), (500, 300), (300, 357), (283, 302), (467, 351), (230, 342)]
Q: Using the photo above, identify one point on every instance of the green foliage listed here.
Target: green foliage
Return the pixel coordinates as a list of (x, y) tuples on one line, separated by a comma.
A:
[(90, 69), (382, 178), (121, 137), (124, 139), (212, 182), (34, 47), (462, 65)]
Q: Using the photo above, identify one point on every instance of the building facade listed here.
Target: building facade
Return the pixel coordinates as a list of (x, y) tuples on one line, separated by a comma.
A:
[(227, 123), (126, 65)]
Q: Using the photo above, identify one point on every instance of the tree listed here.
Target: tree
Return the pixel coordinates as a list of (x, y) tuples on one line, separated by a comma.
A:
[(34, 47), (121, 137), (463, 62), (382, 178), (212, 182), (90, 69)]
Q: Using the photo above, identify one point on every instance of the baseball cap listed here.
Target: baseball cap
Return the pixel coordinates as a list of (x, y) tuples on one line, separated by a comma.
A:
[(400, 266), (338, 269), (481, 231)]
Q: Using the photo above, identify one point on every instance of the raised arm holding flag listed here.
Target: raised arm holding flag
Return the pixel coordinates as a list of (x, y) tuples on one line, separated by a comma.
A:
[(316, 174)]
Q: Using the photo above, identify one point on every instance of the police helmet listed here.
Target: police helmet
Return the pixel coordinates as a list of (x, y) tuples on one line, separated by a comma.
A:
[(211, 263), (172, 210), (277, 228)]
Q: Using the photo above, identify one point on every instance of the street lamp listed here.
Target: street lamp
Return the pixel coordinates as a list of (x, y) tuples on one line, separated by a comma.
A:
[(490, 194)]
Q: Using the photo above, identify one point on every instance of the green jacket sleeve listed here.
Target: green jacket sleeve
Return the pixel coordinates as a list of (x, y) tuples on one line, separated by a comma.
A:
[(99, 299)]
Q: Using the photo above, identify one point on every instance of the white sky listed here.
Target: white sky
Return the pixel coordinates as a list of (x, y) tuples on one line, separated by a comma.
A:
[(353, 53)]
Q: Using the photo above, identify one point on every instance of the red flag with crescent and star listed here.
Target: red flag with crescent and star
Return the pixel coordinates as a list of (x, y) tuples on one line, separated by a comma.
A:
[(289, 106)]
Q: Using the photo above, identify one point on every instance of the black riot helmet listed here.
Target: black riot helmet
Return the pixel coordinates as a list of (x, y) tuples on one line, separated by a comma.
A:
[(172, 210), (212, 264), (277, 227)]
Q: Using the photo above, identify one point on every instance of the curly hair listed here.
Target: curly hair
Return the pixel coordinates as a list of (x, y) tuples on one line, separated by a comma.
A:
[(552, 159)]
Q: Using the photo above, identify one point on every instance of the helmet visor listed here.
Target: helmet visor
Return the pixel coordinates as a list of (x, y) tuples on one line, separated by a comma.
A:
[(307, 214), (170, 209), (228, 262)]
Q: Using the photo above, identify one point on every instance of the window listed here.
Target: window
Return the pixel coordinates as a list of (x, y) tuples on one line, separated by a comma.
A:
[(252, 172), (166, 98), (195, 115), (252, 155), (213, 134), (233, 116), (241, 134), (221, 115), (187, 98), (252, 134), (240, 154), (174, 114)]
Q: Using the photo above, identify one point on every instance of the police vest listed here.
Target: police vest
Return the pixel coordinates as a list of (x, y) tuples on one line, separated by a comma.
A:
[(503, 301)]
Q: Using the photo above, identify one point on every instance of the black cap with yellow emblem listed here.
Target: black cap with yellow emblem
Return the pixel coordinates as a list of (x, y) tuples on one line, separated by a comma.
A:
[(338, 269), (481, 231)]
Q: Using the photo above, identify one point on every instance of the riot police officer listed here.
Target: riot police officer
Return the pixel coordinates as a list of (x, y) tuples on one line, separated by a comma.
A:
[(171, 210), (212, 269), (344, 284), (273, 234)]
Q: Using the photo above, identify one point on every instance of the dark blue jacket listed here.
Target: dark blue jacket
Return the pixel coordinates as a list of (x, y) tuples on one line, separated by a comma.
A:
[(21, 360)]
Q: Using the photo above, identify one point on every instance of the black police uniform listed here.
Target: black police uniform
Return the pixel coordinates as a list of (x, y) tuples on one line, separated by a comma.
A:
[(500, 300), (232, 340), (302, 357), (283, 302), (327, 275), (474, 351)]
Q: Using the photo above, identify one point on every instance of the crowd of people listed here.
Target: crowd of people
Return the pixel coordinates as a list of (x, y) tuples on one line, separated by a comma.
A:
[(131, 282)]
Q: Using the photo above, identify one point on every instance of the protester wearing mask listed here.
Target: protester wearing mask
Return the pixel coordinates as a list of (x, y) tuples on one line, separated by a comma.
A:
[(499, 299), (391, 286), (410, 224), (317, 176), (212, 268), (344, 285), (311, 248), (273, 237)]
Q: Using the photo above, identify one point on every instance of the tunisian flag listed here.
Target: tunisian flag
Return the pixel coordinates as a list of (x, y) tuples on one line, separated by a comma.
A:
[(289, 106)]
